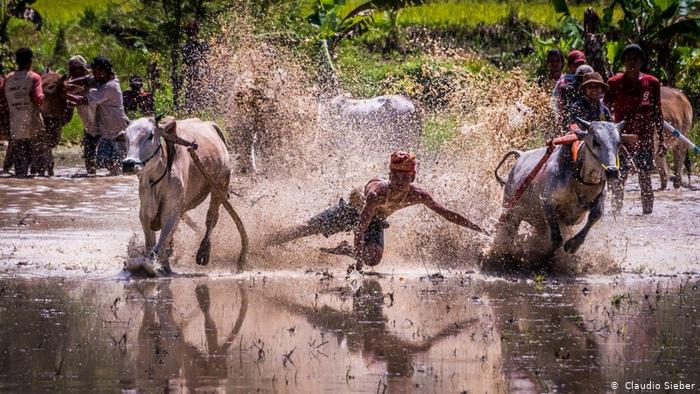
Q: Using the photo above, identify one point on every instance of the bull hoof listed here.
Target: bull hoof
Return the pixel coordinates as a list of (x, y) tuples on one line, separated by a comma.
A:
[(572, 245), (165, 270), (203, 252)]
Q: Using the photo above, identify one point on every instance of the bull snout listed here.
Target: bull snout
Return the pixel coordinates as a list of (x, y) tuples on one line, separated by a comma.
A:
[(612, 172), (131, 166)]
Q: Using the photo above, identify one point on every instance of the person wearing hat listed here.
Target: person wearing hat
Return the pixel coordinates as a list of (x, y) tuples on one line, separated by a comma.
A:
[(24, 95), (106, 112), (80, 83), (137, 101), (589, 106), (367, 211), (635, 97)]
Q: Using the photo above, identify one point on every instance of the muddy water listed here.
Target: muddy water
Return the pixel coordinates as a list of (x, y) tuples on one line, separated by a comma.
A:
[(317, 334), (68, 323)]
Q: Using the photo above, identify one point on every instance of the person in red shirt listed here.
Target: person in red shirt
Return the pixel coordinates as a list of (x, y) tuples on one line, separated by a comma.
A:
[(24, 95), (635, 97)]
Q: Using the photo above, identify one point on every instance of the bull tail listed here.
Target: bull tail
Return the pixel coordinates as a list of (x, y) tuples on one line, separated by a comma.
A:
[(516, 153)]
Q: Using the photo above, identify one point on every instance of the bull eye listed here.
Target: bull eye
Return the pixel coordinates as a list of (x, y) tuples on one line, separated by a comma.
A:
[(595, 144), (150, 136)]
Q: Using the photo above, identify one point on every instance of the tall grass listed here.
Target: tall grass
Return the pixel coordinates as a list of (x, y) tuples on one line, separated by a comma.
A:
[(57, 12), (469, 13)]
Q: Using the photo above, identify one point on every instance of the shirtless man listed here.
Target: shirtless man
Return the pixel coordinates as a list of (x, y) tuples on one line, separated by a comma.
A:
[(367, 212)]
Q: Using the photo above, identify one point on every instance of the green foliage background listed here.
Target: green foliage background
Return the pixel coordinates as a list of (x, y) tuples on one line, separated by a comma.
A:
[(373, 53)]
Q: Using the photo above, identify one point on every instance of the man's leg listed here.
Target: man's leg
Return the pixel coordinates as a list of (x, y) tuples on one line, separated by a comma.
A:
[(336, 219), (286, 235), (90, 152), (645, 164), (617, 186), (22, 156), (374, 245), (647, 192), (9, 159), (117, 155)]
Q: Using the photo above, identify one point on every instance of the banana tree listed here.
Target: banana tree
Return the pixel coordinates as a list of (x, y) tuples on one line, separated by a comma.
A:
[(334, 20), (15, 9), (337, 19)]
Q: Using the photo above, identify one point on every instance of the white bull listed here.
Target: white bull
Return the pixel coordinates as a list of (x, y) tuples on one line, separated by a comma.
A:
[(170, 183), (392, 121), (567, 187)]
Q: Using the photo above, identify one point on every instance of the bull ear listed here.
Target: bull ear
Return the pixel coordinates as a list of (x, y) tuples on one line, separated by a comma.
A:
[(158, 117), (585, 124)]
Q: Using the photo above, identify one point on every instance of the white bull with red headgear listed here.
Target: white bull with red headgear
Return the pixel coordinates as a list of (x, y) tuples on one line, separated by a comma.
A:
[(174, 180)]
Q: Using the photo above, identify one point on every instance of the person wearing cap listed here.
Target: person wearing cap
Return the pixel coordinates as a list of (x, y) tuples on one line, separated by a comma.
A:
[(589, 106), (24, 96), (80, 83), (555, 63), (106, 113), (137, 101), (635, 97), (367, 212)]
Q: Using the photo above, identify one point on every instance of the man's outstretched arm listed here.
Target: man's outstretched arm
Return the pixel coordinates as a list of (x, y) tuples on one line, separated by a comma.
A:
[(452, 216)]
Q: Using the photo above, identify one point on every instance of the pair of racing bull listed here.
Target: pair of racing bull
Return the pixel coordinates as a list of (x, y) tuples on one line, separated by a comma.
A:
[(569, 184)]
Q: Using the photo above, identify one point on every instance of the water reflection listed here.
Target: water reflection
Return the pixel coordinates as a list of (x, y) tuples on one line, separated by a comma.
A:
[(365, 329), (305, 335), (164, 357)]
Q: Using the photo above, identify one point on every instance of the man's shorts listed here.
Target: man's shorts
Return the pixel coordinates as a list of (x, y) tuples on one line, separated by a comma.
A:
[(345, 217), (643, 160), (110, 152)]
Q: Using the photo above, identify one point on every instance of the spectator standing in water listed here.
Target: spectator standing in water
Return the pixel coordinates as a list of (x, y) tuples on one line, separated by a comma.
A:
[(24, 95), (81, 81), (635, 97), (138, 102), (106, 111)]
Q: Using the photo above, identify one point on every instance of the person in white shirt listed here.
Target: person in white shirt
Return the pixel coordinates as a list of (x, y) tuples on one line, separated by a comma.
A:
[(80, 83), (106, 113)]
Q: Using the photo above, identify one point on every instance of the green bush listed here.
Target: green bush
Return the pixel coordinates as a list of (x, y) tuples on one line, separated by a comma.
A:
[(438, 130)]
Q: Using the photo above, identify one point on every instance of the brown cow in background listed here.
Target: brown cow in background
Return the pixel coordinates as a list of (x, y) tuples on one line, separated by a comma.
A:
[(678, 112)]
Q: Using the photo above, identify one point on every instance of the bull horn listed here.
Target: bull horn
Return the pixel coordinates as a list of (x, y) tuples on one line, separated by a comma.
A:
[(620, 125), (158, 117), (583, 122)]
